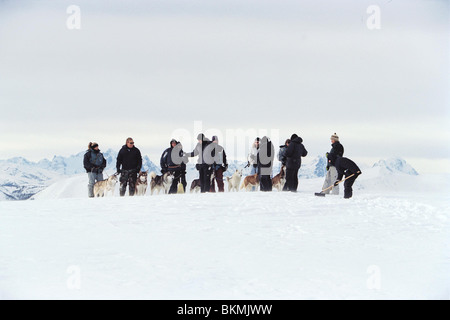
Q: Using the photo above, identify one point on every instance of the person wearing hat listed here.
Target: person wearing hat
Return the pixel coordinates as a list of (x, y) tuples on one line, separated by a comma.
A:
[(204, 162), (337, 150), (94, 163), (219, 166), (173, 160), (293, 159)]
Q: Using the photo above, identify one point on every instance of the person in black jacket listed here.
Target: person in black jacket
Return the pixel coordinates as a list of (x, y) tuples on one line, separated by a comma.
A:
[(347, 167), (219, 166), (130, 159), (173, 160), (94, 163), (265, 162), (293, 155), (205, 160), (337, 150)]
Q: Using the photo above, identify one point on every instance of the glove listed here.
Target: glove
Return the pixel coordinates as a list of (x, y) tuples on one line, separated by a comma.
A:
[(326, 155), (225, 167), (118, 171), (336, 183)]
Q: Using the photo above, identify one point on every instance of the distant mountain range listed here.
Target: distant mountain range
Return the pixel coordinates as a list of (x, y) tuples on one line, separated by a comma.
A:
[(20, 179)]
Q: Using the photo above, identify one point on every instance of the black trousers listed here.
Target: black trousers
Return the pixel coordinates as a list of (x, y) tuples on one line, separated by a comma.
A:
[(291, 179), (128, 177), (348, 190), (265, 183), (205, 178), (178, 176)]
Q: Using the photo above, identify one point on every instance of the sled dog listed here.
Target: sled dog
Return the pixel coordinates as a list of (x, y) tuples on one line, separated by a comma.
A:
[(101, 188), (250, 182), (162, 182), (234, 181), (141, 183), (196, 185), (280, 179)]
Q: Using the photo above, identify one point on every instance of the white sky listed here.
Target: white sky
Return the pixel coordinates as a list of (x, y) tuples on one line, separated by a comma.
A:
[(148, 68)]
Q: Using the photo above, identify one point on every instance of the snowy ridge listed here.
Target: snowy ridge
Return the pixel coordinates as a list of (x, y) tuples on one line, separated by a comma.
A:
[(20, 179), (396, 165), (373, 180)]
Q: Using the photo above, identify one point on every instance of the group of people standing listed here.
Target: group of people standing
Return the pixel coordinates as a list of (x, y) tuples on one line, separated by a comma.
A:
[(212, 163)]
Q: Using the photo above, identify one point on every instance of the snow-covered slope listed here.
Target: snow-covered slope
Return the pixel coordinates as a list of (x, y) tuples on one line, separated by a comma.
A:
[(227, 246)]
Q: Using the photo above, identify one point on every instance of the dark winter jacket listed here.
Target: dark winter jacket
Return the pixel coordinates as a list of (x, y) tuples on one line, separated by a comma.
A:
[(265, 157), (337, 150), (129, 159), (94, 161), (345, 166), (219, 156), (173, 159), (281, 153), (294, 152), (204, 152)]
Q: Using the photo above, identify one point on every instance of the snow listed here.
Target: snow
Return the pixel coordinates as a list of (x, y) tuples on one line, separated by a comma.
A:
[(388, 242)]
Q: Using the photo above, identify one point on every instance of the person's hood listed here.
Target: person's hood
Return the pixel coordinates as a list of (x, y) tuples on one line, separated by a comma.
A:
[(297, 140), (173, 140)]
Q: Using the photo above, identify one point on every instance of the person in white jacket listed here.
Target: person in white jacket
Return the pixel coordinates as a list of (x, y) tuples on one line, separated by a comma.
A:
[(252, 157)]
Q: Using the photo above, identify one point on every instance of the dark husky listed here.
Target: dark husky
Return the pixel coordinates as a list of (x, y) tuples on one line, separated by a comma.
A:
[(162, 182), (141, 183)]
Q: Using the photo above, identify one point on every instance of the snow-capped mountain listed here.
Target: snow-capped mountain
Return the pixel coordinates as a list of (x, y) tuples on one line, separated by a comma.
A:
[(20, 179), (396, 165)]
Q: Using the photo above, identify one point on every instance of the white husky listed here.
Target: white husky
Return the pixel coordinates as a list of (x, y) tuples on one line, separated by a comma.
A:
[(101, 188), (234, 181)]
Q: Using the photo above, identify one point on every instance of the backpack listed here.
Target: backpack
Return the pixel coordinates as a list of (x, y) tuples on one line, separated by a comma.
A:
[(96, 159)]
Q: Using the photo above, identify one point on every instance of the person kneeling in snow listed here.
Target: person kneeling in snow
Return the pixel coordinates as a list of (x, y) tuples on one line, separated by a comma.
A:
[(347, 167)]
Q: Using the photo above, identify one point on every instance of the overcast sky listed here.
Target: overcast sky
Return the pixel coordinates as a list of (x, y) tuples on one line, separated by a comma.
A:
[(149, 68)]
